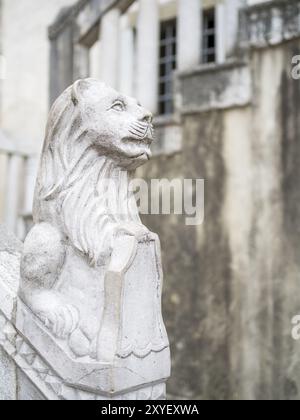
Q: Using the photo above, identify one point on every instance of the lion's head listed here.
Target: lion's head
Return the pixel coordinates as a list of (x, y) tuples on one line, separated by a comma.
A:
[(93, 133)]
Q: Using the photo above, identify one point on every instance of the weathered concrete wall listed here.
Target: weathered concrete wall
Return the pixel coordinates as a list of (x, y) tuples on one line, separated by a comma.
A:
[(197, 274), (264, 238), (232, 284)]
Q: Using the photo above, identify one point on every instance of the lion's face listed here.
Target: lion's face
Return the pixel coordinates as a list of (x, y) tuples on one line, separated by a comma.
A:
[(118, 125)]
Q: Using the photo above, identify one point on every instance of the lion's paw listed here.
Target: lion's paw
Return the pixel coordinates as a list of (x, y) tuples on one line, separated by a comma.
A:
[(61, 321)]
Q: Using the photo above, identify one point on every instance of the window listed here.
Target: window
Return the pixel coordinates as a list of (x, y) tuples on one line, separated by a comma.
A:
[(209, 36), (167, 63)]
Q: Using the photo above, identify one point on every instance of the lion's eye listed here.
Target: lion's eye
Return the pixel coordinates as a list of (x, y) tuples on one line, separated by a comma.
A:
[(118, 106)]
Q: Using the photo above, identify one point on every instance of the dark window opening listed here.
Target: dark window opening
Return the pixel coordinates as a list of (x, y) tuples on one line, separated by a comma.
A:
[(167, 64), (209, 36)]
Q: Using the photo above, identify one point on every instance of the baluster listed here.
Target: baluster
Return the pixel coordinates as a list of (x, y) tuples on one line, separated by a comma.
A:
[(12, 196)]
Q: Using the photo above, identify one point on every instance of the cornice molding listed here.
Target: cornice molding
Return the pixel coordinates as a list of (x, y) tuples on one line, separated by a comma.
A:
[(270, 23)]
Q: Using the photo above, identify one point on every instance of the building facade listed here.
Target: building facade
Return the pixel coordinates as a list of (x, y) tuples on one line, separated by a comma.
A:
[(24, 102), (217, 76)]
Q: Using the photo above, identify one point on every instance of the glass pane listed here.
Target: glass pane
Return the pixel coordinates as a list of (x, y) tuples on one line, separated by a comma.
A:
[(211, 41), (174, 48), (168, 60), (162, 69), (162, 50), (209, 35), (162, 89)]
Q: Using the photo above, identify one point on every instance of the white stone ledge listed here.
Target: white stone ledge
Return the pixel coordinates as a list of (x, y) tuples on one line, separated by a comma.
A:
[(212, 87), (208, 68)]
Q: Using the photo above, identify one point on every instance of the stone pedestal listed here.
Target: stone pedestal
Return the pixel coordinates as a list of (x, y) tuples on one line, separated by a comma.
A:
[(134, 359)]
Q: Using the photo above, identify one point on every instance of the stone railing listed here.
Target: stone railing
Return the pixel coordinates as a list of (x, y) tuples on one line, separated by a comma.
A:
[(17, 184), (270, 23)]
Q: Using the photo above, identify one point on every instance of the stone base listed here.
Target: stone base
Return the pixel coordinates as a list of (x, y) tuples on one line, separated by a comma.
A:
[(36, 366), (26, 376)]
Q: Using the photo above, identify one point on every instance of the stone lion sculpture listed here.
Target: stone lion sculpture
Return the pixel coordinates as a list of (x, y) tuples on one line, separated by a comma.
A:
[(94, 134)]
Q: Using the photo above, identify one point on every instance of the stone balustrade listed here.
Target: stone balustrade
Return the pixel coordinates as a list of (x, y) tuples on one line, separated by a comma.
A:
[(17, 184)]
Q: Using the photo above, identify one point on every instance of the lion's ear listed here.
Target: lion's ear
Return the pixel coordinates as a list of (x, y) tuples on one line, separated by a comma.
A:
[(75, 93), (78, 89)]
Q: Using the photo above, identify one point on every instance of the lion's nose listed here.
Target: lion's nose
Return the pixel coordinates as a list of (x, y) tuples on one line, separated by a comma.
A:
[(147, 117)]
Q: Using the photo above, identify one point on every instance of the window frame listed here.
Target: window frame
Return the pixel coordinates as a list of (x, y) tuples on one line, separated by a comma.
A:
[(167, 65), (209, 54)]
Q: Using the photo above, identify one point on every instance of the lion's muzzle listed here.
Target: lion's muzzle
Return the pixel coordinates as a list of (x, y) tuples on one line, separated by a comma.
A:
[(142, 131)]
